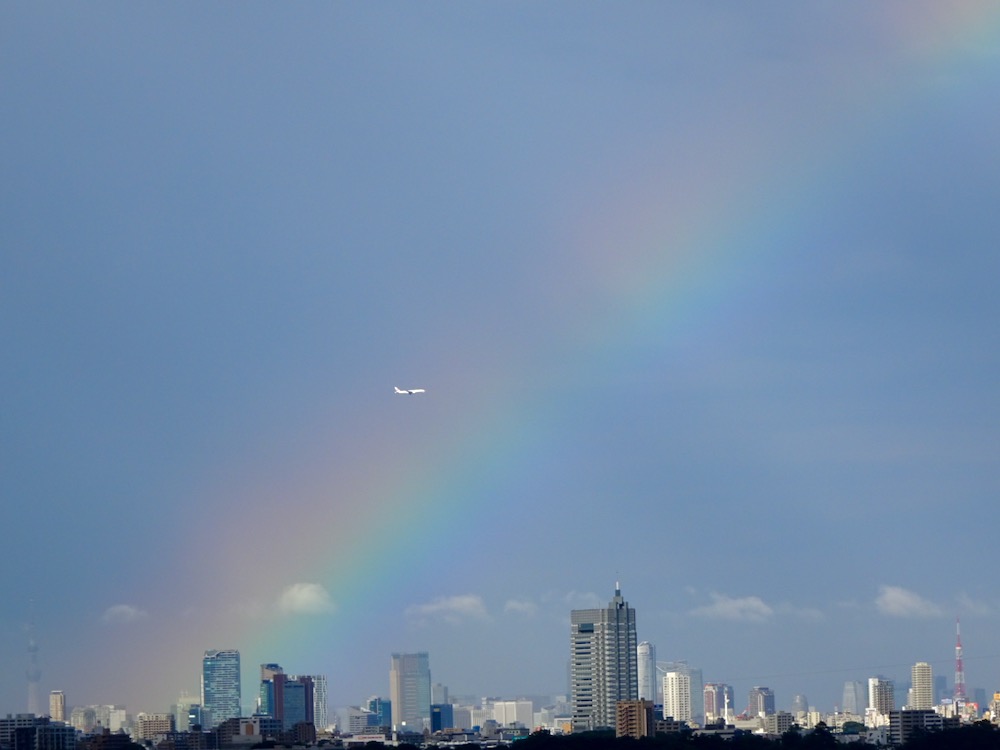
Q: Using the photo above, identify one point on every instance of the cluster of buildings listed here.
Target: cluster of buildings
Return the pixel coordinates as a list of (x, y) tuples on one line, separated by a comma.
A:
[(615, 682)]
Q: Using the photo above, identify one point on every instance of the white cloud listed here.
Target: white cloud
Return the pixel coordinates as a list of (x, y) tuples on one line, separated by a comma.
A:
[(973, 606), (452, 609), (521, 607), (123, 614), (803, 613), (745, 608), (305, 599), (584, 600), (896, 601)]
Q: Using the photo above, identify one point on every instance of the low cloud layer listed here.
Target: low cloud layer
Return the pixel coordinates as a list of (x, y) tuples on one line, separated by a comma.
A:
[(745, 608), (451, 609), (123, 614), (520, 607)]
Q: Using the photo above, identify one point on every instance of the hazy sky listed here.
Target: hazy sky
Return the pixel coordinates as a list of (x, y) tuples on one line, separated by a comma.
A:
[(703, 296)]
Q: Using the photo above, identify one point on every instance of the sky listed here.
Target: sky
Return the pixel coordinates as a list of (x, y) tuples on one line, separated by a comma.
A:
[(703, 297)]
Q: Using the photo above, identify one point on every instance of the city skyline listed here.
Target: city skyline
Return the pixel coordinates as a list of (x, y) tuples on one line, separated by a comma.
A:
[(700, 296)]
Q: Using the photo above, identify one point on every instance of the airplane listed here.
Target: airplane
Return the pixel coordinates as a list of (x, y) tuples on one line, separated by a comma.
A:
[(410, 391)]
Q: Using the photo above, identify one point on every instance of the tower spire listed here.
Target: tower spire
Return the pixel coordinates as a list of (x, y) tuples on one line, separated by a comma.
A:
[(959, 665)]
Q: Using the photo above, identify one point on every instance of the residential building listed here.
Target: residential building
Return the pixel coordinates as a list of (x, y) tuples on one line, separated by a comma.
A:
[(778, 723), (695, 695), (57, 705), (320, 705), (634, 719), (603, 662), (881, 696), (410, 691), (906, 723), (677, 696), (149, 726), (220, 686), (923, 687)]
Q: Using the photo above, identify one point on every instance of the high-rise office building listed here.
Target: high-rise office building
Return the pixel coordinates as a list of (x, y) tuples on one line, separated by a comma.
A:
[(297, 702), (272, 682), (677, 696), (439, 693), (379, 712), (761, 701), (603, 662), (854, 700), (220, 685), (881, 695), (410, 690), (442, 717), (646, 655), (718, 701), (507, 713), (57, 705), (800, 705), (923, 686)]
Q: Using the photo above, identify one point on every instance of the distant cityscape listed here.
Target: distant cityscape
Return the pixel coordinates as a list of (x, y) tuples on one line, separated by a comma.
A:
[(614, 681)]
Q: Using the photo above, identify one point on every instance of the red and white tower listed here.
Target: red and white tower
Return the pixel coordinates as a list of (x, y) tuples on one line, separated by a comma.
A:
[(959, 665)]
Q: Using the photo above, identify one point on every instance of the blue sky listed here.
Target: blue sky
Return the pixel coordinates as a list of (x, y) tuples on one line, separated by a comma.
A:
[(702, 296)]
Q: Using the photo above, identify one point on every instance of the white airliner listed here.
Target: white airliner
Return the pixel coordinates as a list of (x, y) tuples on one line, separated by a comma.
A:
[(410, 391)]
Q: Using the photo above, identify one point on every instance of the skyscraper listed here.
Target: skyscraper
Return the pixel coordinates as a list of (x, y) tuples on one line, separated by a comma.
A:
[(854, 698), (220, 685), (881, 696), (410, 690), (320, 708), (923, 686), (646, 654), (603, 662), (677, 696), (298, 702), (718, 701), (696, 689), (57, 705), (272, 684), (761, 701)]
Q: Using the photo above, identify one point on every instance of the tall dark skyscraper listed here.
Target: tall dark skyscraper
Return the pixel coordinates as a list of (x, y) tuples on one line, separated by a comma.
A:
[(603, 662), (220, 685), (760, 701)]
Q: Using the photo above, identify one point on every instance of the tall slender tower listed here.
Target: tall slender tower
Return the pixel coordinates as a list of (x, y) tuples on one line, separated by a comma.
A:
[(34, 672), (603, 662), (959, 665)]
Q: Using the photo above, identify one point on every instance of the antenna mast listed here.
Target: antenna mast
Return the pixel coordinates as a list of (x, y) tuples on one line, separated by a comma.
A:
[(959, 665)]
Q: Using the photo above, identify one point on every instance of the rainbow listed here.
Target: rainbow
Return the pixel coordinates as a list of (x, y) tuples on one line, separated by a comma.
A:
[(674, 271)]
